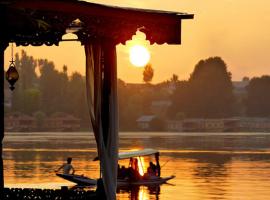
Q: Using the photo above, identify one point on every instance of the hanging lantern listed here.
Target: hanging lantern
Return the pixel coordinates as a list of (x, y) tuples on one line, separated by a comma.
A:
[(12, 74)]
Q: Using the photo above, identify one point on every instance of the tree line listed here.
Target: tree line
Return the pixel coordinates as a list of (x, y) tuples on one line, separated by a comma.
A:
[(208, 93), (43, 90)]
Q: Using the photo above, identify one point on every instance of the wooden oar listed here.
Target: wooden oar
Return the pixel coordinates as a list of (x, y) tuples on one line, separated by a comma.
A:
[(165, 163)]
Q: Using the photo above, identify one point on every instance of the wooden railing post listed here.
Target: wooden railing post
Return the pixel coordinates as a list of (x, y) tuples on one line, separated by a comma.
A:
[(3, 46)]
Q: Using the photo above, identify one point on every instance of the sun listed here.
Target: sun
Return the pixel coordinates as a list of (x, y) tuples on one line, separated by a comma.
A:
[(139, 56)]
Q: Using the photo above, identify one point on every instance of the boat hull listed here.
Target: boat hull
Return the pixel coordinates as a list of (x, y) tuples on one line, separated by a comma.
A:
[(80, 180), (85, 181), (150, 181)]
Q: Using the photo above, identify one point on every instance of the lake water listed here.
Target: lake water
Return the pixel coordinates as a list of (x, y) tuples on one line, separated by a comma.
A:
[(207, 166)]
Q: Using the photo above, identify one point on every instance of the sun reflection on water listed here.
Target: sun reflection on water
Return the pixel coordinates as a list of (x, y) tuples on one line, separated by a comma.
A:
[(212, 169), (142, 194), (141, 165)]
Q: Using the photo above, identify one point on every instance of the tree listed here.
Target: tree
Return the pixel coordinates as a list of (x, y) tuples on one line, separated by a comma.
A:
[(245, 79), (63, 82), (130, 105), (208, 92), (148, 73), (258, 97), (31, 100), (211, 89), (26, 66), (181, 100), (77, 98), (174, 78), (65, 69), (49, 86)]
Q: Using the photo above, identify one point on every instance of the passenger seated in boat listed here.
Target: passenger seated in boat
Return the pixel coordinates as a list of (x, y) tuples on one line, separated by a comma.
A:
[(134, 170), (67, 168), (118, 169), (151, 171), (153, 168), (122, 172)]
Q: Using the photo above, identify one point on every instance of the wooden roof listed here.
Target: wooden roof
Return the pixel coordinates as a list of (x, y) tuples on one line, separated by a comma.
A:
[(39, 22)]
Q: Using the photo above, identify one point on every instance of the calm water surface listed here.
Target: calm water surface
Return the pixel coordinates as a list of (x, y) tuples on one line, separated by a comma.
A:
[(206, 165)]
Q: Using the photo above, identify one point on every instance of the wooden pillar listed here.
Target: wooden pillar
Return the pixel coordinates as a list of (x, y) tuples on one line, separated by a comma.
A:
[(109, 115), (3, 46), (110, 101)]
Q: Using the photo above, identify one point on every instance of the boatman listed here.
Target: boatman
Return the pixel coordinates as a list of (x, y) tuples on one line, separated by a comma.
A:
[(67, 167), (157, 165)]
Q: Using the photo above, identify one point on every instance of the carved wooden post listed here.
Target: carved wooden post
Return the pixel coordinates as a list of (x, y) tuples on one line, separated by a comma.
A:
[(3, 46)]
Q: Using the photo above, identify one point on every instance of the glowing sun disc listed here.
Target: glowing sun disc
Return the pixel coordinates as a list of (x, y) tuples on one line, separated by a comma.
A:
[(139, 55)]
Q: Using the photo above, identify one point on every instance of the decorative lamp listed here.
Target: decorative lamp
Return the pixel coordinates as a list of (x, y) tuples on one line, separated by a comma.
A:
[(12, 74)]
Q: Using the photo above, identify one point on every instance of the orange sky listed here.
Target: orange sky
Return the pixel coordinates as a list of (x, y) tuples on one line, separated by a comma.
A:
[(236, 30)]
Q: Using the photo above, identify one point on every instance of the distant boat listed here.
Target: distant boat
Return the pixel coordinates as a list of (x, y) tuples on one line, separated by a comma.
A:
[(124, 181)]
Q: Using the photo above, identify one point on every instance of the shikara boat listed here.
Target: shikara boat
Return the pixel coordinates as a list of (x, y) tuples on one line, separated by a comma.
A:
[(144, 179), (126, 180)]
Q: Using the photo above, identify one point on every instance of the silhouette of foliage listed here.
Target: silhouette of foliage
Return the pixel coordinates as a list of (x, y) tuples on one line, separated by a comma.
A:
[(51, 91), (258, 97), (148, 73), (208, 92), (26, 66), (174, 78)]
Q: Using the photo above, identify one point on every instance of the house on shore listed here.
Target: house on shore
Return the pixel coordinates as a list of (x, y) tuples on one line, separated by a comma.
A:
[(62, 122), (236, 124), (252, 124), (144, 122), (18, 122), (174, 125)]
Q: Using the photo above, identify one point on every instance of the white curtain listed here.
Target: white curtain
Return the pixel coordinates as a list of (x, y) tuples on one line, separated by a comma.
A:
[(101, 85)]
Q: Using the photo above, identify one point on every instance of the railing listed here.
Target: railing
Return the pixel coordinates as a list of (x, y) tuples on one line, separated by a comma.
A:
[(47, 194)]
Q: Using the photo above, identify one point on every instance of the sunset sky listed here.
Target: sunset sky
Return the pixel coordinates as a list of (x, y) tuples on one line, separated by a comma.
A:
[(236, 30)]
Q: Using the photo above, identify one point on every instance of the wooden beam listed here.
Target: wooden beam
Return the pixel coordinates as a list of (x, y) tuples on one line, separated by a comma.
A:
[(99, 10), (3, 46)]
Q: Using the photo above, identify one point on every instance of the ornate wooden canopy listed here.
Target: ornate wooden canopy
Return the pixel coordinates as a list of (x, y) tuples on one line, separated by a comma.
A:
[(99, 28), (38, 22)]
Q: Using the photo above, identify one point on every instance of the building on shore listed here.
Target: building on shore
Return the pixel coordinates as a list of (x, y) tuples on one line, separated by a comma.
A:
[(236, 124), (254, 124), (144, 122), (18, 122), (214, 125), (174, 125), (193, 125), (62, 122)]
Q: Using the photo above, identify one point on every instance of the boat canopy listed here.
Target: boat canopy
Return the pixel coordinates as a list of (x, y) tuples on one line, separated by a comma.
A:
[(138, 153), (132, 154)]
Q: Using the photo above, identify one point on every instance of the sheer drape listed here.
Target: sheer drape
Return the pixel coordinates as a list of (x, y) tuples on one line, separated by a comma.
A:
[(101, 85)]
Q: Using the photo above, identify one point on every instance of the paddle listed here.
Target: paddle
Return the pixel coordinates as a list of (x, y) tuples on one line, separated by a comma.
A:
[(165, 163)]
